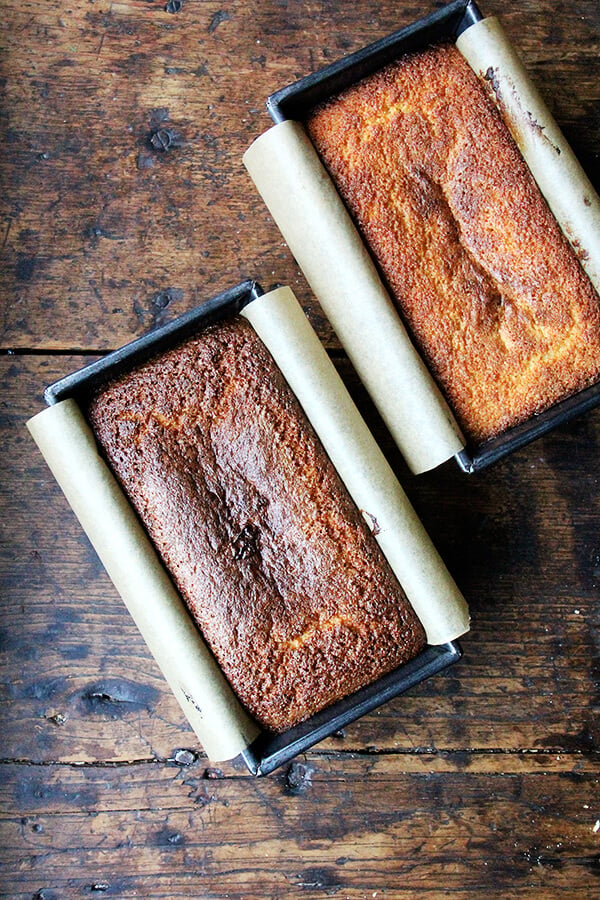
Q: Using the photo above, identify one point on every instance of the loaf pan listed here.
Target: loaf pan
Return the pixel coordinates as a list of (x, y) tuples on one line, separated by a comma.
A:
[(295, 102), (268, 751)]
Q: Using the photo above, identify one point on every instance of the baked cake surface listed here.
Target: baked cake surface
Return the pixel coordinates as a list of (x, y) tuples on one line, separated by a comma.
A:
[(490, 289), (268, 550)]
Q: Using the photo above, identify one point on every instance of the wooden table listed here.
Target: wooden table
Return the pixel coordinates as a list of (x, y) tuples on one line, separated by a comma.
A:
[(126, 203)]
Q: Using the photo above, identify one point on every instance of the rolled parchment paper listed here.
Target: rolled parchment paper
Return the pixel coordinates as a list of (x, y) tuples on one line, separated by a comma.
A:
[(68, 446), (312, 218), (281, 324), (562, 181)]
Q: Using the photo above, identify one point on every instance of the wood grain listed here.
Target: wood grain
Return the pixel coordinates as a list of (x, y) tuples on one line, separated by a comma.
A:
[(351, 828), (521, 542), (108, 233), (124, 203)]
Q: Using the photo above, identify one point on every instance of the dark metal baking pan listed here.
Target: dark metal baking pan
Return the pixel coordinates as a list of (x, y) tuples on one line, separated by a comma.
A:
[(480, 457), (268, 751), (297, 99), (79, 384)]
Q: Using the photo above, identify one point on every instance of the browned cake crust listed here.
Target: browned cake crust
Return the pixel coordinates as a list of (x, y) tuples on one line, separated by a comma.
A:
[(264, 543), (495, 298)]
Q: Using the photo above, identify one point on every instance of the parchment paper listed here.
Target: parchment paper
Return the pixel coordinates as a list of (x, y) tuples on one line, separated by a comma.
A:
[(313, 220), (67, 443), (281, 324), (562, 181)]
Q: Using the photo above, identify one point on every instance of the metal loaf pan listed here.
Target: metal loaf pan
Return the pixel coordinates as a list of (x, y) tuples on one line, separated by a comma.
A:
[(268, 751), (296, 100)]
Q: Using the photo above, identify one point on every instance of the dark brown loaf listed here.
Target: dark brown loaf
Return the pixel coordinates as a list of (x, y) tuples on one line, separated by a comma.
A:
[(490, 289), (269, 552)]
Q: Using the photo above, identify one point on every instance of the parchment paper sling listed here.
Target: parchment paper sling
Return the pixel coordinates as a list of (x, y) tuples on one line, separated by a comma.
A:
[(68, 445), (312, 218)]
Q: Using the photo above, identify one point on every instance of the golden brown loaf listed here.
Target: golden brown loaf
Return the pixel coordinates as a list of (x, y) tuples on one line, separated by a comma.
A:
[(490, 289), (269, 552)]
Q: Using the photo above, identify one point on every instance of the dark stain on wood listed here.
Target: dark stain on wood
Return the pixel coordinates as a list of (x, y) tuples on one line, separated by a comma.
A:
[(197, 790), (592, 863), (164, 298), (319, 878), (116, 697), (167, 837), (45, 688), (153, 313), (584, 741), (217, 19), (34, 791), (25, 268)]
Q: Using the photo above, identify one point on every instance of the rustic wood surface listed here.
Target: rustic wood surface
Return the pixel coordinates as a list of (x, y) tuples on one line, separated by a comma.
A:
[(124, 203)]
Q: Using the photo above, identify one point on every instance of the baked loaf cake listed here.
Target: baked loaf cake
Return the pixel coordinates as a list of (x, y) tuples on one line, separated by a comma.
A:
[(272, 557), (490, 289)]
